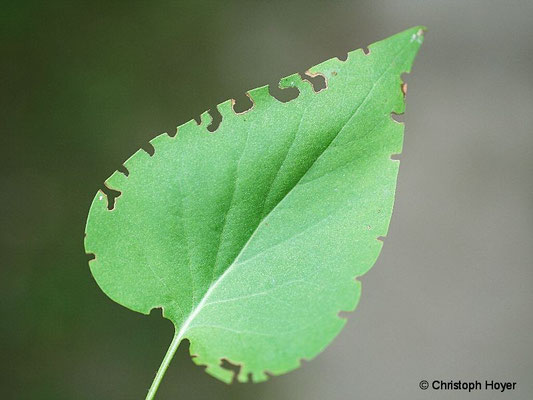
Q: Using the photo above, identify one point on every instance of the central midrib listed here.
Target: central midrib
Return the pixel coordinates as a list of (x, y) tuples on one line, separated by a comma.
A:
[(185, 326)]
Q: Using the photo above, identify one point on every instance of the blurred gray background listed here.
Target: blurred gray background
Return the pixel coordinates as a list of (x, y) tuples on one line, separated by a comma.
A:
[(85, 85)]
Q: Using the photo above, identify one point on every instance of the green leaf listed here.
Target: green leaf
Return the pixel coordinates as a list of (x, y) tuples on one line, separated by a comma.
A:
[(250, 237)]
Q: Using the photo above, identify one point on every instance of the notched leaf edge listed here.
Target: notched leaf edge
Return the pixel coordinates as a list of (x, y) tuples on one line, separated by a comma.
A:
[(301, 82)]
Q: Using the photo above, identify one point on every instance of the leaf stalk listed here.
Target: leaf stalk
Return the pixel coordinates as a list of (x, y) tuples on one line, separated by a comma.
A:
[(164, 365)]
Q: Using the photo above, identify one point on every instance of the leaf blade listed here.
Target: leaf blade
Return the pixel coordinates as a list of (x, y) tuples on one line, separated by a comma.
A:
[(215, 227)]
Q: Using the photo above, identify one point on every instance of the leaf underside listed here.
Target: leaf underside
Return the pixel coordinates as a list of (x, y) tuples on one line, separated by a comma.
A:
[(250, 237)]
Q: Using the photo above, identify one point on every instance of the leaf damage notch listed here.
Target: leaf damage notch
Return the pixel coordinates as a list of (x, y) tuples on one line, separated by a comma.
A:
[(395, 156), (216, 119), (318, 81), (235, 368), (149, 148), (122, 169), (397, 117), (111, 196), (242, 104), (283, 94)]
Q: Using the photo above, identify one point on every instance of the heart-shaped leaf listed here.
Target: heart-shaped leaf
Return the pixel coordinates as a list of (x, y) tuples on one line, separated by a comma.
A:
[(250, 237)]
